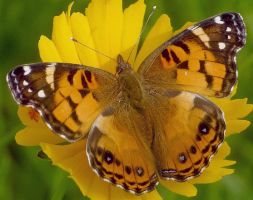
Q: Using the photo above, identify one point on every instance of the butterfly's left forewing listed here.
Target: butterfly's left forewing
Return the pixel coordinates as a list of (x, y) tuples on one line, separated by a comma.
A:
[(69, 97)]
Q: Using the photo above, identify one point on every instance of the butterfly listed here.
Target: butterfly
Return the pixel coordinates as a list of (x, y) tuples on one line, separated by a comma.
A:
[(142, 126)]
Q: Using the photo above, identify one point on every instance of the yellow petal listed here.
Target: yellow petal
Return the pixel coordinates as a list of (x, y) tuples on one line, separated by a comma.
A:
[(33, 136), (61, 153), (115, 193), (99, 189), (236, 126), (182, 188), (133, 20), (30, 117), (222, 163), (36, 130), (106, 23), (61, 37), (48, 51), (154, 195), (223, 152), (160, 33), (185, 26), (81, 31), (81, 174), (70, 9), (212, 175), (228, 106), (72, 158), (215, 170)]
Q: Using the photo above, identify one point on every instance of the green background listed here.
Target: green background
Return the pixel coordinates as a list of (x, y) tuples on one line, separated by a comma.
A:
[(24, 176)]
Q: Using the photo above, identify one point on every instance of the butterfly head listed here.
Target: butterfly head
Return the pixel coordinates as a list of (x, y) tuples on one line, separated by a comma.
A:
[(129, 83), (123, 65)]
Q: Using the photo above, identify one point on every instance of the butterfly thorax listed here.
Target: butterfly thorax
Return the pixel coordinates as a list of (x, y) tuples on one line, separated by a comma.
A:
[(130, 84)]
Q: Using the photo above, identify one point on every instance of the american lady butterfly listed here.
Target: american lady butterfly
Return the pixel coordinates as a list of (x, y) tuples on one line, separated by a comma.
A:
[(145, 125)]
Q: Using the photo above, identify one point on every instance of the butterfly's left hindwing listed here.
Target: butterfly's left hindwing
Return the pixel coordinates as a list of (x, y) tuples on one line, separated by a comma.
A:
[(118, 154), (69, 97), (200, 59)]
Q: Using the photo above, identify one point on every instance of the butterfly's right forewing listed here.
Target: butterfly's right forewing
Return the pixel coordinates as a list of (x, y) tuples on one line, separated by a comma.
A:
[(201, 59), (68, 96)]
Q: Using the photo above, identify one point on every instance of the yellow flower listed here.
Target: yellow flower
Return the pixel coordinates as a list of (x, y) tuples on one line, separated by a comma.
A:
[(108, 29)]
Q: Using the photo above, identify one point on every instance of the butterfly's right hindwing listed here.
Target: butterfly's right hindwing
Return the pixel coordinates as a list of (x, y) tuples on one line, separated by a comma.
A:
[(193, 128), (68, 96)]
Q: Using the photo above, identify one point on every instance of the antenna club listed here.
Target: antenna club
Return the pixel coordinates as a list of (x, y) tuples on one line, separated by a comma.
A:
[(73, 39), (154, 7)]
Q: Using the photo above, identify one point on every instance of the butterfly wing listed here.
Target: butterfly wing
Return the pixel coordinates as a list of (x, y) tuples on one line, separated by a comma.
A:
[(200, 59), (117, 153), (69, 97), (191, 130)]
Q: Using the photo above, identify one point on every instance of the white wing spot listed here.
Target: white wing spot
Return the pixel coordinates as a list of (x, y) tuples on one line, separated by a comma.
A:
[(228, 29), (222, 45), (238, 31), (25, 83), (229, 37), (218, 20), (29, 90), (27, 70), (17, 89), (15, 81), (41, 94)]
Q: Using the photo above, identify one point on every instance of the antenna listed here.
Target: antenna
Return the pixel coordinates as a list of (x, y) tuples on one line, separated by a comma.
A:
[(75, 40), (144, 27)]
